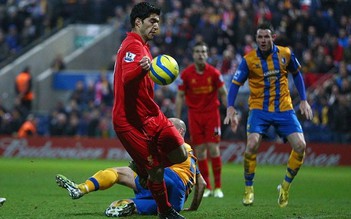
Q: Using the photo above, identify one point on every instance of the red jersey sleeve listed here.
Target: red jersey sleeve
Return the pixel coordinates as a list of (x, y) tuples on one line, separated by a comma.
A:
[(132, 54)]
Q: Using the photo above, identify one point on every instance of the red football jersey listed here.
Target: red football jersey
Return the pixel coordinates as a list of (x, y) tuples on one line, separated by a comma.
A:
[(201, 90), (133, 88)]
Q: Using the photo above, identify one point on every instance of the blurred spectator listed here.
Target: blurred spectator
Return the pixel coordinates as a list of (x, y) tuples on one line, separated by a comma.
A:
[(3, 110), (28, 33), (249, 44), (104, 127), (72, 127), (309, 65), (89, 96), (320, 109), (17, 119), (58, 63), (58, 124), (342, 74), (168, 108), (343, 40), (345, 87), (103, 91), (262, 13), (11, 122), (214, 58), (28, 128), (340, 110), (93, 123), (23, 88), (13, 40), (335, 49), (228, 65), (327, 65), (347, 52), (6, 127), (4, 47), (78, 94)]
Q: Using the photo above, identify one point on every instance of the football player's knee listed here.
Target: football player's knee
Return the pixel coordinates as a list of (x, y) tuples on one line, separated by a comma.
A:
[(251, 149), (300, 147), (106, 178)]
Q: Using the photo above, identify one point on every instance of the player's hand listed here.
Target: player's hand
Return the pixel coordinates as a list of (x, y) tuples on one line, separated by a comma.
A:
[(306, 110), (232, 118), (145, 63)]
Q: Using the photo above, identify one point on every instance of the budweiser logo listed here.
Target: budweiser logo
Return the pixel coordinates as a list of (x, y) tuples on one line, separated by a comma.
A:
[(232, 152), (20, 148)]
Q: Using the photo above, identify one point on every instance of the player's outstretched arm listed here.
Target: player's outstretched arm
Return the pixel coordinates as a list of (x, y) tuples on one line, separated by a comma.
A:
[(300, 86), (198, 193)]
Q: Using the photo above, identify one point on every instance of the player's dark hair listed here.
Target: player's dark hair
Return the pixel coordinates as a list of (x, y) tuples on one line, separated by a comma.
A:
[(143, 10), (266, 26), (200, 43)]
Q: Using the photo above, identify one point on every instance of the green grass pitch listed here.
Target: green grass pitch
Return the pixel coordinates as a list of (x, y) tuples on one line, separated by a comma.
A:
[(31, 192)]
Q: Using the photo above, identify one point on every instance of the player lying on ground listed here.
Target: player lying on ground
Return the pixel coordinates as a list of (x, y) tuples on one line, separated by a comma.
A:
[(180, 180)]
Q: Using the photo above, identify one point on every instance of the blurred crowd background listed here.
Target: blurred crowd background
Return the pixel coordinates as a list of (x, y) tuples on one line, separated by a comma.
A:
[(318, 31)]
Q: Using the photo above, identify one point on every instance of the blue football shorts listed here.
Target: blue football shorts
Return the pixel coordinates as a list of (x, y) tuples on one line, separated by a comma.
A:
[(285, 123), (176, 189)]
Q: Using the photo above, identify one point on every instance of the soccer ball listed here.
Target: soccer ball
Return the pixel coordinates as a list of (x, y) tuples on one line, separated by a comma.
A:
[(164, 69)]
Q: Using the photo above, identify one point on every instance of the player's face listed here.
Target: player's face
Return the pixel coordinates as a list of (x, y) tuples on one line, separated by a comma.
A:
[(149, 27), (200, 55), (264, 40)]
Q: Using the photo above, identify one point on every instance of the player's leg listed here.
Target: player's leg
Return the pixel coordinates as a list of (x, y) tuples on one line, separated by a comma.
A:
[(142, 147), (257, 124), (294, 163), (216, 162), (169, 143), (201, 154), (290, 128), (101, 180), (158, 188), (198, 140), (175, 188), (212, 131), (143, 202), (250, 163)]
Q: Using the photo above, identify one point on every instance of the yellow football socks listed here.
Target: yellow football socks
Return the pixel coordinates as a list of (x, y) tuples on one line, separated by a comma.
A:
[(294, 163), (250, 163), (101, 180), (249, 168)]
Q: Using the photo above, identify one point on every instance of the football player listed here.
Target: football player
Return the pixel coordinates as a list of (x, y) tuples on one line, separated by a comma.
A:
[(180, 180)]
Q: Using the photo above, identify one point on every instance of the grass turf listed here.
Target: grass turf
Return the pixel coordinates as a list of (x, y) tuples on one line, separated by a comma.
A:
[(31, 192)]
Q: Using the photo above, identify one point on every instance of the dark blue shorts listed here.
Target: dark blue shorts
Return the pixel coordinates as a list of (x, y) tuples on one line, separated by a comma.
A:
[(146, 205), (285, 123)]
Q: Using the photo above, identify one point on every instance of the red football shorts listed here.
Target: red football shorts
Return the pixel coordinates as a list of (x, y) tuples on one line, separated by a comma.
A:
[(149, 145), (204, 127)]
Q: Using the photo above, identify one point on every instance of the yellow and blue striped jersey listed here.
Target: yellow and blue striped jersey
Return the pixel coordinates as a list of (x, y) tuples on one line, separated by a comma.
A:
[(268, 78), (187, 170)]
